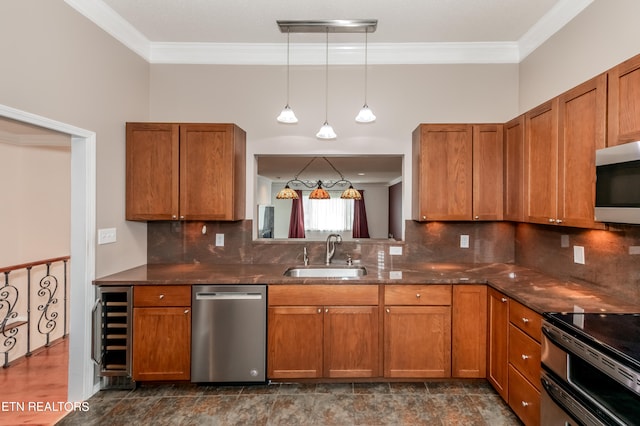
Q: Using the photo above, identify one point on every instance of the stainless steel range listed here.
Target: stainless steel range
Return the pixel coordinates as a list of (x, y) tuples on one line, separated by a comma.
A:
[(590, 369)]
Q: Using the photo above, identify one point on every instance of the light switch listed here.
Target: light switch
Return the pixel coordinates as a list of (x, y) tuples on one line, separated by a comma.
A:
[(219, 240), (106, 235), (464, 241)]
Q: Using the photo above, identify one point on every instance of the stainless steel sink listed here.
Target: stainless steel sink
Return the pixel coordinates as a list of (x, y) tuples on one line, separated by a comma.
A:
[(330, 271)]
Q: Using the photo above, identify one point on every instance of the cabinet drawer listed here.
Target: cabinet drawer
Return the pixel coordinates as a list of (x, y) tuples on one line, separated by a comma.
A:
[(322, 295), (524, 355), (526, 320), (524, 399), (162, 295), (423, 295)]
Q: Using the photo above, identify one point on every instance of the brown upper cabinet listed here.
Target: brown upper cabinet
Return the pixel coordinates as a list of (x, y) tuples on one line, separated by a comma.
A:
[(513, 195), (624, 102), (185, 171), (561, 137), (457, 172)]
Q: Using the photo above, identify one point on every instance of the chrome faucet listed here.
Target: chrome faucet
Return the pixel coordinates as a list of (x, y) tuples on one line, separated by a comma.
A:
[(305, 256), (332, 240)]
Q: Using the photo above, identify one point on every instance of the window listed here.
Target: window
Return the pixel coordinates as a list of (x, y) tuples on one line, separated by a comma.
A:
[(334, 214)]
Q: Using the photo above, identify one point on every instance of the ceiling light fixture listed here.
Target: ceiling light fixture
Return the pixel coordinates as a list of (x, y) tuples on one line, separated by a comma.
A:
[(365, 115), (286, 115), (326, 131), (335, 26), (319, 193)]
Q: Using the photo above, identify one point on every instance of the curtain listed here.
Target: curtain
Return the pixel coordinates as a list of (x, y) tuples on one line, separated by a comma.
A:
[(296, 223), (360, 226)]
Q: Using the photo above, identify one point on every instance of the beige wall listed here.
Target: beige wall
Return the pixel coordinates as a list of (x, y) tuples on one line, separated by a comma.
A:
[(57, 64), (401, 97), (35, 183), (603, 35)]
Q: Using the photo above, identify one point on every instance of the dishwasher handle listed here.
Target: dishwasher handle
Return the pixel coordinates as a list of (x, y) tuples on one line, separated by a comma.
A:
[(228, 295)]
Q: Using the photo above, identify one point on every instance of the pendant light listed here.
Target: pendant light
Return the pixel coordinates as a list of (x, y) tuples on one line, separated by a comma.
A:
[(286, 115), (319, 193), (365, 115), (326, 131)]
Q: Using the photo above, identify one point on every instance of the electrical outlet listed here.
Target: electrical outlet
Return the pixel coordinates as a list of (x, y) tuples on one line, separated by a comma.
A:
[(578, 254), (564, 241), (219, 240), (106, 235), (464, 241), (634, 249)]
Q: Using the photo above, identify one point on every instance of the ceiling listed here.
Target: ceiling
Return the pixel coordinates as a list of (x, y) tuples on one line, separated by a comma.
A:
[(408, 31)]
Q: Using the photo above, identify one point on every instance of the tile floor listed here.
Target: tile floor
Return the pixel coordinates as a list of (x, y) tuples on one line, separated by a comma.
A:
[(471, 402)]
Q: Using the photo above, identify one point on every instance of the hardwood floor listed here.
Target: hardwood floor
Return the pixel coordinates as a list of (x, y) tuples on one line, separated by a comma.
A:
[(34, 389)]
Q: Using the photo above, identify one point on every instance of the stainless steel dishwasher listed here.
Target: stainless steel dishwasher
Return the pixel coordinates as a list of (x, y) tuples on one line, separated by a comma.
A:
[(229, 333)]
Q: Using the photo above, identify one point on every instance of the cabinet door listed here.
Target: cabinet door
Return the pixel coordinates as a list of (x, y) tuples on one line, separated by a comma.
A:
[(514, 170), (498, 332), (541, 163), (624, 102), (161, 344), (443, 161), (351, 341), (582, 124), (469, 331), (152, 171), (209, 172), (294, 342), (417, 341), (487, 171)]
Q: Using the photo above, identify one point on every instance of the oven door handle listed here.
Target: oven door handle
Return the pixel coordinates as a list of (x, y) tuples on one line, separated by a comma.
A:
[(552, 337), (570, 406)]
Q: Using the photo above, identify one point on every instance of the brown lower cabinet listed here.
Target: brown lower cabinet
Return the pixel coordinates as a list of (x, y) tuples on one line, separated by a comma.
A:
[(161, 333), (337, 338), (514, 351)]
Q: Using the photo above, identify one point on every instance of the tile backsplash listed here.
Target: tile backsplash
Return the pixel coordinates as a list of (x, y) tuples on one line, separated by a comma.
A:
[(612, 257)]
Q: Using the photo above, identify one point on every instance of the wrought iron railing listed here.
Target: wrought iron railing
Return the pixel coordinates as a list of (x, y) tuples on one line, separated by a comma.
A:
[(22, 330)]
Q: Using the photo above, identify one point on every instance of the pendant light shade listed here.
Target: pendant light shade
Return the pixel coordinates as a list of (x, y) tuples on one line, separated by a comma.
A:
[(319, 193), (287, 115), (351, 194), (287, 193), (365, 115), (326, 131)]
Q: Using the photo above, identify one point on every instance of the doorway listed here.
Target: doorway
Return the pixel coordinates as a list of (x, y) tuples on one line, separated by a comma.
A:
[(82, 247)]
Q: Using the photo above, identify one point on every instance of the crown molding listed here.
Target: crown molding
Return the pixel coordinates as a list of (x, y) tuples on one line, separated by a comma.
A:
[(340, 54), (559, 16)]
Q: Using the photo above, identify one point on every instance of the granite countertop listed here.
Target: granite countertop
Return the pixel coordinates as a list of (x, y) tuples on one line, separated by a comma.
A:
[(538, 291)]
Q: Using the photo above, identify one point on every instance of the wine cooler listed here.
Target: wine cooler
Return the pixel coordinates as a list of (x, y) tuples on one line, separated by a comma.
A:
[(111, 337)]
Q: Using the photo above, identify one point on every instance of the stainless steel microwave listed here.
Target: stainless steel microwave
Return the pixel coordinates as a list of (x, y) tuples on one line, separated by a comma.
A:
[(618, 184)]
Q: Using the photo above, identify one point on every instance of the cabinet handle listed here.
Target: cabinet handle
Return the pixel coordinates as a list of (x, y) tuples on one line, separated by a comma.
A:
[(558, 220), (326, 311), (424, 218), (174, 217), (161, 296), (186, 311), (525, 357), (417, 295), (525, 320), (503, 300), (477, 217), (388, 310), (551, 220), (181, 217), (524, 403)]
